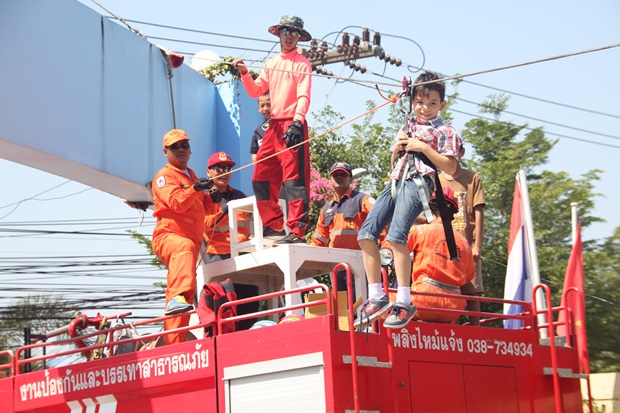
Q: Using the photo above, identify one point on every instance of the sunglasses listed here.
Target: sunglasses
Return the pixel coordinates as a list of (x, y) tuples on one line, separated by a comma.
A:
[(221, 169), (176, 146), (290, 32)]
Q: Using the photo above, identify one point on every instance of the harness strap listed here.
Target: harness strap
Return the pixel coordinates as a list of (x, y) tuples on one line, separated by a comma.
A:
[(443, 209), (445, 219), (423, 190)]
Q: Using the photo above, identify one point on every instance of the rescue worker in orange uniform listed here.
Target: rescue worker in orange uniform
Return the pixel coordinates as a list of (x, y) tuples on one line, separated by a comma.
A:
[(180, 207), (433, 271), (340, 220), (217, 231)]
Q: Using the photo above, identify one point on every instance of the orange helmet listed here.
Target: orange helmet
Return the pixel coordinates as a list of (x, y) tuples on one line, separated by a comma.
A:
[(448, 194)]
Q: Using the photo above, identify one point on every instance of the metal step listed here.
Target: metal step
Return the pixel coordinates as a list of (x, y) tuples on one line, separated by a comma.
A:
[(367, 361), (362, 411), (564, 373), (560, 341)]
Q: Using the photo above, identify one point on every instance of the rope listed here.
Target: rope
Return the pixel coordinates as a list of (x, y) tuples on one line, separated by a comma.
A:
[(308, 140)]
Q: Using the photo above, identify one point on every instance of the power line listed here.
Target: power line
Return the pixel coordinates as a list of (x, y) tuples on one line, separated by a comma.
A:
[(393, 36)]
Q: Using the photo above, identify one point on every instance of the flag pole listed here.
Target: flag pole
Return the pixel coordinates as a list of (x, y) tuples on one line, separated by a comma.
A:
[(531, 246), (573, 219), (585, 365)]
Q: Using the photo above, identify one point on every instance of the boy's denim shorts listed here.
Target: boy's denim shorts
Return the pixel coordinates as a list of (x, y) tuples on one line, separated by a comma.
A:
[(400, 214)]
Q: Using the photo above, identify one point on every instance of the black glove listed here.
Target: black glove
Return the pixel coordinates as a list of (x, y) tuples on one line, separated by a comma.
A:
[(216, 196), (294, 134), (203, 184)]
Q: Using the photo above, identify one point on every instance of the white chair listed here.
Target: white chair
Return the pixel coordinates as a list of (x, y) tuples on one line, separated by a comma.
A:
[(256, 241)]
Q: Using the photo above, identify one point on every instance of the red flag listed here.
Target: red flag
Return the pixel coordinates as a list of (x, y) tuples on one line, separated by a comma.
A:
[(575, 300)]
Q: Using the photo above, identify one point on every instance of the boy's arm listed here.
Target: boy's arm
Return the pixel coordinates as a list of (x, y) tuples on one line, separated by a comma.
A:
[(445, 163), (476, 248)]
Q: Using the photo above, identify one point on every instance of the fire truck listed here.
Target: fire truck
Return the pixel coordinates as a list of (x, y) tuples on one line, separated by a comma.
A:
[(318, 363)]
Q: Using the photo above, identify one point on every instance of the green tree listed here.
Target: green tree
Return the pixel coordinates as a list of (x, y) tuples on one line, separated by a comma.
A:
[(500, 149), (602, 284), (40, 314)]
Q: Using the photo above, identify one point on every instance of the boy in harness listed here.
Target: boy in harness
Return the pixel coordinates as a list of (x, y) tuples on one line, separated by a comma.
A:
[(401, 202)]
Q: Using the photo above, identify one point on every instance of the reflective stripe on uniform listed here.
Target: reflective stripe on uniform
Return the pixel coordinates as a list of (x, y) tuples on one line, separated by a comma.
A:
[(442, 286)]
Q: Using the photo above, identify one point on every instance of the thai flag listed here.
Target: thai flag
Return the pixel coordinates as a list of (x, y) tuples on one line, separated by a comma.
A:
[(518, 285)]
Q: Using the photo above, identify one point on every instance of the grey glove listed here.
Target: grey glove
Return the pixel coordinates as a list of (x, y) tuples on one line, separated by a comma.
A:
[(203, 184), (294, 134)]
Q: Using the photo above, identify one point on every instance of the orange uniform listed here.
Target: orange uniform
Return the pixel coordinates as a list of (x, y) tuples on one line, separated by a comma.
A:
[(341, 219), (177, 237), (217, 231), (433, 271)]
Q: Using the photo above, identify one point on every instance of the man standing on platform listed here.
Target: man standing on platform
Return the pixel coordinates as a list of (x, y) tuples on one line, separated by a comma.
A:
[(287, 77)]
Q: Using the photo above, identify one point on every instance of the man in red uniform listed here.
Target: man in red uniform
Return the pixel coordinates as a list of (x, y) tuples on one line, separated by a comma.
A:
[(287, 78), (433, 270), (340, 220), (180, 207)]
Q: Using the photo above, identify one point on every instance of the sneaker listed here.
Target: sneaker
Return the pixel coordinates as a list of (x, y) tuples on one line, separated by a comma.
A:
[(291, 239), (399, 316), (272, 233), (178, 305), (372, 310)]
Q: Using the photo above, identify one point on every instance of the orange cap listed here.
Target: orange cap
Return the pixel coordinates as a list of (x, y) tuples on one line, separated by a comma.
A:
[(174, 136)]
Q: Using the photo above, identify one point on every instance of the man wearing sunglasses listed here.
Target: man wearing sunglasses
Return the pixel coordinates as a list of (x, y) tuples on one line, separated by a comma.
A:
[(180, 207), (217, 231), (287, 79)]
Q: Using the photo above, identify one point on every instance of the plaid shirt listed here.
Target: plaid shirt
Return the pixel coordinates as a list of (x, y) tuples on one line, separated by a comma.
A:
[(440, 136)]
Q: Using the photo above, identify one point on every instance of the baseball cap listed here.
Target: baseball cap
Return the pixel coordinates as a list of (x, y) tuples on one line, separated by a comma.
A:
[(220, 158), (341, 166), (174, 136)]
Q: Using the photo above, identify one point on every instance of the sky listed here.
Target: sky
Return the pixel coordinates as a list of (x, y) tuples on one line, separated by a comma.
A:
[(573, 98)]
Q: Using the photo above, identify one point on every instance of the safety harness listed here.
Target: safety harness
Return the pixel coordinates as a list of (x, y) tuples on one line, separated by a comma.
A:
[(212, 296)]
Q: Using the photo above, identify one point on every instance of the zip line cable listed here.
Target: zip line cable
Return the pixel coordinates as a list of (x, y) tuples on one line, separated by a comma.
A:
[(458, 76)]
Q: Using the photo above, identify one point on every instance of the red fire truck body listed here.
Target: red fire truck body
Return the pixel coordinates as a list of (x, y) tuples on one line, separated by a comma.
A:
[(307, 366)]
